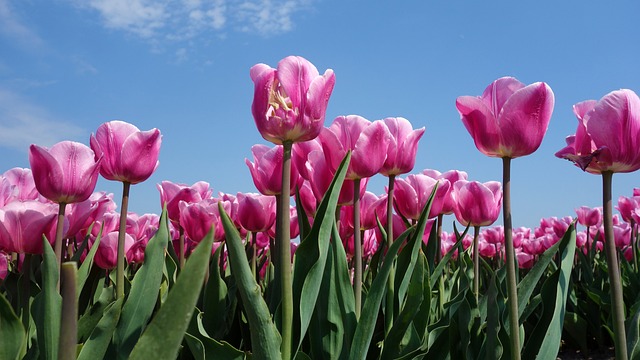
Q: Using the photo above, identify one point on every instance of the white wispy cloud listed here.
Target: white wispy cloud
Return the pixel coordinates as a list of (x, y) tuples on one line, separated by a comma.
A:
[(12, 26), (23, 123), (180, 20)]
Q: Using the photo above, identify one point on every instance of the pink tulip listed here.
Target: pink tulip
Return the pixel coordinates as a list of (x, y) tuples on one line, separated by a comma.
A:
[(266, 170), (66, 173), (411, 195), (290, 102), (23, 223), (401, 153), (367, 141), (300, 154), (82, 214), (198, 218), (171, 194), (256, 212), (17, 184), (608, 134), (4, 265), (130, 155), (509, 119), (627, 206), (588, 216), (478, 204), (107, 255), (449, 204)]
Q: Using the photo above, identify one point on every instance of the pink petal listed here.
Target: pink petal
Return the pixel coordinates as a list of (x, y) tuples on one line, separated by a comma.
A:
[(481, 124), (370, 151)]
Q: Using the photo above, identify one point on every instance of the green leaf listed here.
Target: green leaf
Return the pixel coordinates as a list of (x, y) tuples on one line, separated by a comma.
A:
[(544, 342), (92, 316), (85, 268), (369, 315), (47, 306), (215, 313), (633, 336), (415, 296), (96, 346), (12, 333), (311, 255), (203, 347), (142, 298), (265, 339), (163, 337)]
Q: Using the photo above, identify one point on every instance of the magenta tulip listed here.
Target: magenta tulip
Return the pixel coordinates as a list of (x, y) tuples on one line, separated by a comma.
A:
[(478, 204), (266, 170), (608, 135), (130, 155), (23, 223), (588, 216), (17, 184), (66, 173), (401, 154), (199, 218), (256, 212), (412, 193), (172, 193), (509, 119), (290, 102), (107, 255), (367, 141)]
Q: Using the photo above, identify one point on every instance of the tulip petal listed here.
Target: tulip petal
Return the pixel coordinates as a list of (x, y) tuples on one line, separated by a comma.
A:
[(481, 124), (296, 74), (370, 151), (139, 155)]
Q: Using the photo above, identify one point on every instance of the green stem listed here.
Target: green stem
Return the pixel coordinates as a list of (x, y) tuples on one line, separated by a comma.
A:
[(283, 239), (58, 241), (512, 290), (392, 274), (69, 321), (439, 238), (619, 334), (476, 262), (357, 248), (121, 236), (181, 256), (252, 242)]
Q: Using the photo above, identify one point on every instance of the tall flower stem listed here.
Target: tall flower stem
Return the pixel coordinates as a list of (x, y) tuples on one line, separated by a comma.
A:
[(121, 236), (617, 304), (357, 248), (59, 232), (439, 238), (512, 291), (252, 242), (390, 281), (283, 240), (69, 320), (476, 262), (181, 248)]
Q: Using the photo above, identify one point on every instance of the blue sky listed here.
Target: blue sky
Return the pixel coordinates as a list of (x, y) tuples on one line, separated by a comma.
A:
[(66, 66)]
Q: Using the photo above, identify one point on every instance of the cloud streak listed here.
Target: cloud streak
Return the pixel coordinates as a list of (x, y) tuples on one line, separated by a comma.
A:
[(23, 123), (179, 20)]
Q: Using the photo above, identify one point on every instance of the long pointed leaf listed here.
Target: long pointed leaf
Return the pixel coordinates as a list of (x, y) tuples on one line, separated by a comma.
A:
[(265, 339), (163, 337), (48, 306), (12, 332), (96, 346)]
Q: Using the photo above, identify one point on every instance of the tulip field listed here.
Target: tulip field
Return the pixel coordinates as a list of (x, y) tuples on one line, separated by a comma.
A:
[(314, 266)]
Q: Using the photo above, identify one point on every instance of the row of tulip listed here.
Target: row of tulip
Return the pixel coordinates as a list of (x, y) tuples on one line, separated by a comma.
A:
[(327, 169)]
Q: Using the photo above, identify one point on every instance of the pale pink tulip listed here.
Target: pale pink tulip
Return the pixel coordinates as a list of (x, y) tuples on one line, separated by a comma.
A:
[(23, 223)]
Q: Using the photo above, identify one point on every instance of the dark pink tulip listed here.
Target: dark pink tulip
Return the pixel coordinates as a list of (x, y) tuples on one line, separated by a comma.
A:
[(627, 207), (172, 193), (487, 249), (533, 246), (300, 154), (373, 208), (290, 102), (401, 153), (478, 204), (23, 223), (107, 255), (588, 216), (307, 198), (412, 193), (66, 173), (256, 212), (370, 243), (294, 227), (82, 214), (198, 218), (608, 134), (493, 235), (130, 155), (367, 141), (509, 119), (322, 175), (266, 170), (525, 260), (4, 265)]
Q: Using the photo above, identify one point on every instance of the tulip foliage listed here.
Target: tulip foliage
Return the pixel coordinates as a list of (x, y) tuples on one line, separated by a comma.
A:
[(356, 275)]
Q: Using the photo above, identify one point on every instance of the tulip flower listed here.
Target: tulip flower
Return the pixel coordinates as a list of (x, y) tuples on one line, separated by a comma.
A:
[(23, 223), (107, 255), (256, 213), (290, 102), (66, 173), (412, 194), (4, 265), (130, 156), (266, 170), (607, 141), (508, 121), (289, 106), (199, 218), (477, 205), (17, 184)]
